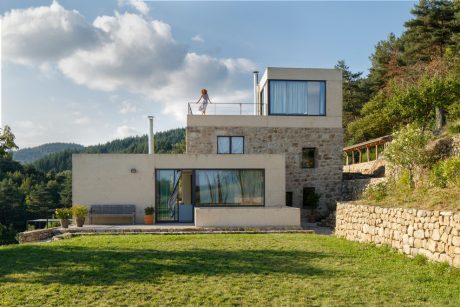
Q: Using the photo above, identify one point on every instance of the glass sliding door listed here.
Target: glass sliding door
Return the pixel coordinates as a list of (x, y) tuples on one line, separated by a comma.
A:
[(167, 195), (229, 187)]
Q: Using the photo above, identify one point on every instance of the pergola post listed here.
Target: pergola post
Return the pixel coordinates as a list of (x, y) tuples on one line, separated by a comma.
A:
[(360, 156), (346, 161), (367, 154), (376, 152)]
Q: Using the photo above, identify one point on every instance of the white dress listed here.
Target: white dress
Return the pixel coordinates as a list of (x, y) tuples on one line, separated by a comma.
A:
[(205, 102)]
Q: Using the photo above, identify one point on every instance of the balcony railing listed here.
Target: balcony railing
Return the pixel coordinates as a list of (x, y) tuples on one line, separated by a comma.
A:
[(233, 108)]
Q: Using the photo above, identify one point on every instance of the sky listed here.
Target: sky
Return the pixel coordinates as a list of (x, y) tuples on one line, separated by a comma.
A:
[(91, 71)]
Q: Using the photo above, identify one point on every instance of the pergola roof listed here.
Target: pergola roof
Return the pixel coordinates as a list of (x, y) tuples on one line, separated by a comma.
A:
[(374, 142)]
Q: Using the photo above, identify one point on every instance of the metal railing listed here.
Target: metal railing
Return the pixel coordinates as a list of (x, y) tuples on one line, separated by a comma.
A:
[(228, 108)]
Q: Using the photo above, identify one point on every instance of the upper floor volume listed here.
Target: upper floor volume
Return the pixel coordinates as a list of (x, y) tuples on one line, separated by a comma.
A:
[(304, 97)]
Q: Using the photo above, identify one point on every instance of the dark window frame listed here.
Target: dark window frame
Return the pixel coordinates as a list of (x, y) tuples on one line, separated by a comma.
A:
[(311, 190), (289, 198), (230, 137), (285, 114), (302, 165)]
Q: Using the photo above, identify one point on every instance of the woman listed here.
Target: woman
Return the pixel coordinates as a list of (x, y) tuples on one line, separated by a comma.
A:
[(206, 100)]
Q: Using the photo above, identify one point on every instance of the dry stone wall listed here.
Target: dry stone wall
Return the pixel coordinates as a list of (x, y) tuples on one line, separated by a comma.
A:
[(434, 234), (354, 188), (325, 177)]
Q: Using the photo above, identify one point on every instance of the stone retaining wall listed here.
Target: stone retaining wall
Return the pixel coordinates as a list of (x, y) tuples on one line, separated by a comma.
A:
[(434, 234), (37, 235), (354, 188)]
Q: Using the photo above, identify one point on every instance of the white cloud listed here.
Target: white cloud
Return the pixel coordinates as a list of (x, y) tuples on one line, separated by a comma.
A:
[(127, 107), (125, 131), (82, 120), (198, 38), (44, 33), (128, 52), (139, 5)]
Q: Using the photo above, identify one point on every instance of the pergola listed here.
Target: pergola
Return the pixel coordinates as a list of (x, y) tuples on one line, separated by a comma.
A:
[(360, 147)]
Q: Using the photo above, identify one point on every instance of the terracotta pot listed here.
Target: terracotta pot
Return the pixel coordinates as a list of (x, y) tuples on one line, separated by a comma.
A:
[(65, 223), (148, 219), (80, 221)]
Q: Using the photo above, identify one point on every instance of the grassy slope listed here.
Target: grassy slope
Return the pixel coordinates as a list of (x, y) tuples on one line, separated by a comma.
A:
[(420, 198), (281, 269)]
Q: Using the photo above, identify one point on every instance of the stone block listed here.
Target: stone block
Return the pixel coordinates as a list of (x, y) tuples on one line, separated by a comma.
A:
[(419, 234), (435, 235)]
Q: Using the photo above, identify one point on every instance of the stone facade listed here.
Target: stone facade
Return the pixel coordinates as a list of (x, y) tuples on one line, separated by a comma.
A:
[(434, 234), (325, 177)]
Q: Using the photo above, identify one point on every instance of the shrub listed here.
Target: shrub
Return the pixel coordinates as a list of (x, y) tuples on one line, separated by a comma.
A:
[(7, 234), (65, 213), (408, 150), (79, 211), (377, 192), (454, 129), (446, 173), (149, 210)]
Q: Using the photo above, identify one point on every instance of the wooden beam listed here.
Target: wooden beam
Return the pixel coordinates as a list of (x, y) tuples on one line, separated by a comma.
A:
[(367, 154)]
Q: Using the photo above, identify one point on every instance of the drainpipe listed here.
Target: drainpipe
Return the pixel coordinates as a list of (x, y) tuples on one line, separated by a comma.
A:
[(256, 82), (151, 143)]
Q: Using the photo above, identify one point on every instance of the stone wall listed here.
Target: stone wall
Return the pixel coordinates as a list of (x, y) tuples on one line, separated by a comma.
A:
[(354, 188), (376, 168), (37, 235), (434, 234), (326, 177)]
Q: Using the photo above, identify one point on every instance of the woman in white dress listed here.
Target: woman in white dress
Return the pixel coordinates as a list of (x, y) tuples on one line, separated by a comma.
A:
[(206, 100)]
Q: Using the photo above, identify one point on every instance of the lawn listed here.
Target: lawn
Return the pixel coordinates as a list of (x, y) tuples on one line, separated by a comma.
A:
[(246, 269)]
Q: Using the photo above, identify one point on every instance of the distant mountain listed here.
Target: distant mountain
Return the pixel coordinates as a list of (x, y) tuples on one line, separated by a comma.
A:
[(32, 154), (171, 141)]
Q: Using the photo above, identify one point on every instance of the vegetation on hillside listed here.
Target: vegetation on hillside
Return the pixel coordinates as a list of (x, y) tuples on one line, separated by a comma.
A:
[(414, 78), (170, 141), (29, 155)]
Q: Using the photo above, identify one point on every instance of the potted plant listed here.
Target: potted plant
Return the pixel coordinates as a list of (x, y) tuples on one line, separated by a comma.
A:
[(80, 212), (64, 215), (148, 217)]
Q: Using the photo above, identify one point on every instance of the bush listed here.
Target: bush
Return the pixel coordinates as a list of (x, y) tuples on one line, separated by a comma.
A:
[(446, 173), (79, 211), (377, 192), (149, 210), (454, 129), (63, 214), (7, 235)]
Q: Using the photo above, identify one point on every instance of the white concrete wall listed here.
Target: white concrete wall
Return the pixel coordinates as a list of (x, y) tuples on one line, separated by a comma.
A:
[(107, 178), (247, 217)]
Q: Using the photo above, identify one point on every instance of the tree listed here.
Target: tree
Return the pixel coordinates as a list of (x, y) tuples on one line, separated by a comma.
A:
[(431, 31), (6, 141), (354, 92), (408, 150)]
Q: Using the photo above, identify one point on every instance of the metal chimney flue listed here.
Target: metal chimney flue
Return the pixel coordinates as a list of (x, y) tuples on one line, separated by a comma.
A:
[(256, 82), (151, 141)]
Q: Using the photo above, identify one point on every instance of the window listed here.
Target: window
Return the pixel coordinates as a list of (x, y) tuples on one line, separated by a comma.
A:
[(308, 157), (289, 198), (310, 198), (229, 187), (288, 97), (230, 144)]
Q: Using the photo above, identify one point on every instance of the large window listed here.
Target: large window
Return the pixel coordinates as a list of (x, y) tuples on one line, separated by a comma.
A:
[(230, 144), (229, 187), (288, 97)]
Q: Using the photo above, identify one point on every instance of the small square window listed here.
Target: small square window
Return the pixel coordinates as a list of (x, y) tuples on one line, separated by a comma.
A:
[(230, 145), (308, 157), (223, 145)]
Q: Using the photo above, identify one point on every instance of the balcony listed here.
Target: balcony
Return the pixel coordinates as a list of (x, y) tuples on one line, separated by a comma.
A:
[(229, 108)]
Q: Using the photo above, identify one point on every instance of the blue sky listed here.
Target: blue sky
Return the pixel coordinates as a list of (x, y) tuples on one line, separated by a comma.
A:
[(91, 71)]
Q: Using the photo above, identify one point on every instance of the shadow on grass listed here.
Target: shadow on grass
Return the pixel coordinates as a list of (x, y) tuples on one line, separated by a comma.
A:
[(85, 266)]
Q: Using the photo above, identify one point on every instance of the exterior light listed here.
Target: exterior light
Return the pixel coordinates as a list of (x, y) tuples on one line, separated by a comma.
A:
[(133, 171)]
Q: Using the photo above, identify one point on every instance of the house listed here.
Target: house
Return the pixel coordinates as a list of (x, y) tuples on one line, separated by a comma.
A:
[(258, 169)]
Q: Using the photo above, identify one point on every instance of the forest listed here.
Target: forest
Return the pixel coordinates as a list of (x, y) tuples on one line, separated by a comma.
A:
[(413, 79)]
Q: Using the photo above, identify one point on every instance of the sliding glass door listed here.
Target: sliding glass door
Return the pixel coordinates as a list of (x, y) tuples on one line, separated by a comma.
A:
[(167, 195)]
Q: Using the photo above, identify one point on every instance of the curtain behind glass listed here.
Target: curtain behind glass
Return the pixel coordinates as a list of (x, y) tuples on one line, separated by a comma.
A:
[(297, 97), (223, 145), (229, 187), (237, 144)]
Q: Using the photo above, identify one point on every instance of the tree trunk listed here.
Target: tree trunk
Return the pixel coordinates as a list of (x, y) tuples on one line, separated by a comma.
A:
[(440, 119)]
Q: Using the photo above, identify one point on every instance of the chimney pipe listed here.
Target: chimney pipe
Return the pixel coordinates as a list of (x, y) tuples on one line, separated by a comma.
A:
[(256, 82), (151, 143)]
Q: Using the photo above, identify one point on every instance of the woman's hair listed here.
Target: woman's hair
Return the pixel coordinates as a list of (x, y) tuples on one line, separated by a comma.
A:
[(204, 91)]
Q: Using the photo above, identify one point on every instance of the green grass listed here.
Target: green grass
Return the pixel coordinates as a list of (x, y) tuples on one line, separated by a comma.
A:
[(257, 269)]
